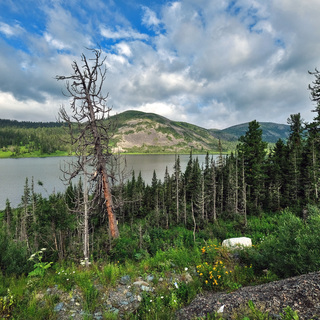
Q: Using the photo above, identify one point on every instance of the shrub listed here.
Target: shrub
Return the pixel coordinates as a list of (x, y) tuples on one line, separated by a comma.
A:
[(292, 249), (14, 256)]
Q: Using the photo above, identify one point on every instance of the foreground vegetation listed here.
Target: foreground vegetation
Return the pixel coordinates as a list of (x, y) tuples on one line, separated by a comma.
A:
[(278, 247)]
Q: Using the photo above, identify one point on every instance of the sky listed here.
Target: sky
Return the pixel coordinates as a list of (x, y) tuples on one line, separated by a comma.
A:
[(212, 63)]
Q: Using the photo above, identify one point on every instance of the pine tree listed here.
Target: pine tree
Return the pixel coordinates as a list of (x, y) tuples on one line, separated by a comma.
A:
[(295, 147), (253, 150)]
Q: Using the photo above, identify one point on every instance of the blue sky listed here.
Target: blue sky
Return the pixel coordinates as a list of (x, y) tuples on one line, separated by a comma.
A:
[(214, 63)]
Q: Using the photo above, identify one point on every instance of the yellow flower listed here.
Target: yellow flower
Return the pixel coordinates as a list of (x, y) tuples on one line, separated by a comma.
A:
[(206, 281), (201, 274)]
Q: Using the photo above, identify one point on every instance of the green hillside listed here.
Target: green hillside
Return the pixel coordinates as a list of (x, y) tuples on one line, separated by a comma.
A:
[(134, 132)]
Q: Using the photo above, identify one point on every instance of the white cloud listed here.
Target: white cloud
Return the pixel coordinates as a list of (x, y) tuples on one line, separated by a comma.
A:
[(10, 31), (124, 49), (55, 43), (121, 33), (150, 18), (29, 110)]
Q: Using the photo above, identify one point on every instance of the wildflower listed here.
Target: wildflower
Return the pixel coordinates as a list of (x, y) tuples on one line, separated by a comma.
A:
[(150, 300), (206, 281), (161, 297), (176, 285), (186, 269), (43, 249), (201, 274)]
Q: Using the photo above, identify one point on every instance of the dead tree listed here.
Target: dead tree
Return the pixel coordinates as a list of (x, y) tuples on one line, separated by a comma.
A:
[(89, 126)]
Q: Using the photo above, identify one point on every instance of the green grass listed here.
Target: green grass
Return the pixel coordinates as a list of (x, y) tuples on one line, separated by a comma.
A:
[(34, 154)]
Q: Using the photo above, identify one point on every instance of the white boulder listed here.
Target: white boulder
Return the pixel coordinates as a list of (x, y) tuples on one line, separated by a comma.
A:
[(237, 242)]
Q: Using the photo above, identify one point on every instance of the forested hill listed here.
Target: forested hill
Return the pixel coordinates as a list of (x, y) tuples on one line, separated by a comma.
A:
[(136, 132), (28, 124), (271, 132)]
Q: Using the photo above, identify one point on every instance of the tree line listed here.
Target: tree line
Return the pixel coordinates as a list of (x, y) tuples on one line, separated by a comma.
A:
[(44, 139)]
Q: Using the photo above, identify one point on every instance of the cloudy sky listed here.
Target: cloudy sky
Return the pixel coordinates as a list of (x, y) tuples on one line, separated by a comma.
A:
[(214, 63)]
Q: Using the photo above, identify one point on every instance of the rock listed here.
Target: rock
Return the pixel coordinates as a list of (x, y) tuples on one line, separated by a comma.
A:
[(58, 307), (237, 242), (146, 288), (125, 280), (39, 296), (140, 283), (150, 278), (187, 277)]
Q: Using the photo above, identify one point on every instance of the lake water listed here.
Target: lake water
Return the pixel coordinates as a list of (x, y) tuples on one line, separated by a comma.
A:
[(13, 173)]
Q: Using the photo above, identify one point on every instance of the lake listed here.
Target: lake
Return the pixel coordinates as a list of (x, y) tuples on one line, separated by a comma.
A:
[(13, 173)]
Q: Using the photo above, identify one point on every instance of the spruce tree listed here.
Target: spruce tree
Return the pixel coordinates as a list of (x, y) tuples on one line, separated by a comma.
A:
[(253, 150)]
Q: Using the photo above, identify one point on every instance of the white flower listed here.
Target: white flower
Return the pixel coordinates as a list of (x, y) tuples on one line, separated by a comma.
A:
[(161, 297), (150, 300), (185, 269), (220, 310), (43, 249), (176, 285)]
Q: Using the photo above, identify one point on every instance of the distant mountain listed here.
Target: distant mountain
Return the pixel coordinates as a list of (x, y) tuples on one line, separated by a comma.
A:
[(271, 132)]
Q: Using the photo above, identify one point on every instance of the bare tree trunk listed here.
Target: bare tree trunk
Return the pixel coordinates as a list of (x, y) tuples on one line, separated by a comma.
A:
[(214, 195), (314, 171), (34, 217), (109, 204), (185, 206), (194, 223), (86, 219), (244, 195)]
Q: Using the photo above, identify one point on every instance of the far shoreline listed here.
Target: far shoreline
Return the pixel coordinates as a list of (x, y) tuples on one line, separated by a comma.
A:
[(5, 155)]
